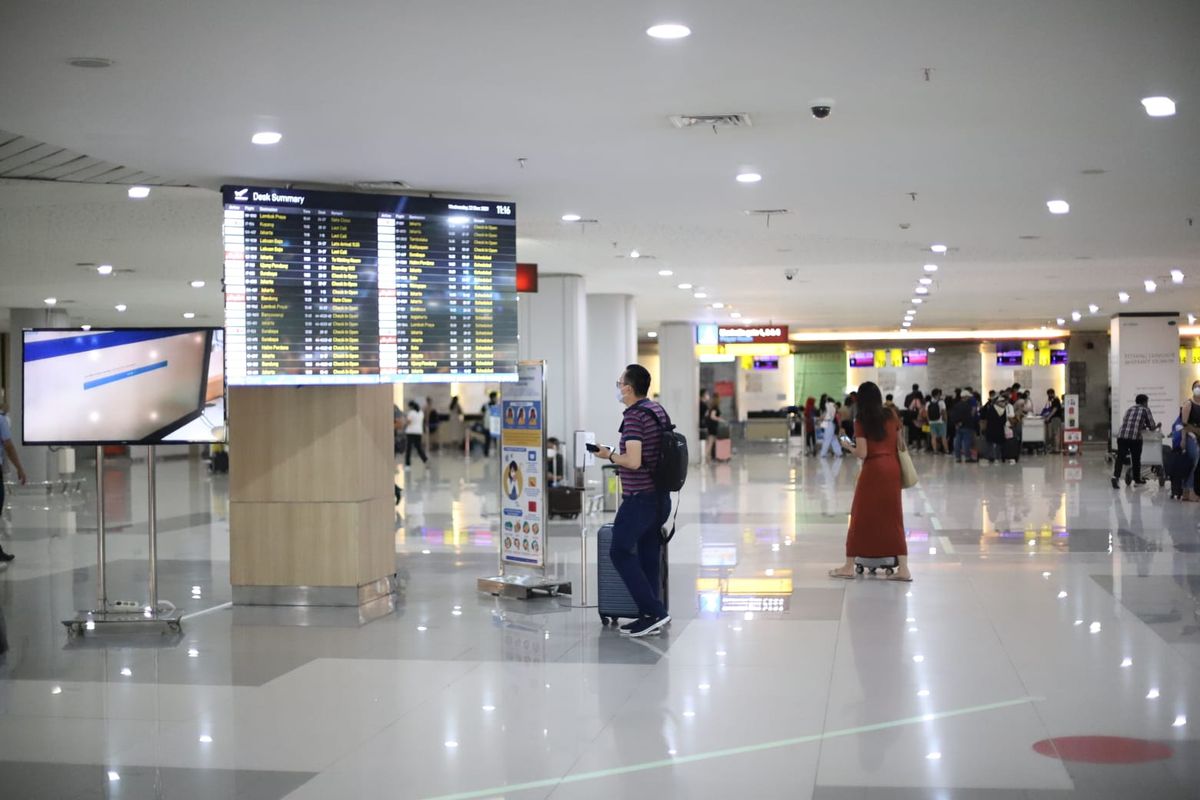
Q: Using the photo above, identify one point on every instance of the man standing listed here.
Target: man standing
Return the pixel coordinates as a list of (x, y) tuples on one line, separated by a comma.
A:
[(913, 404), (637, 531), (1053, 414), (7, 447), (1129, 440)]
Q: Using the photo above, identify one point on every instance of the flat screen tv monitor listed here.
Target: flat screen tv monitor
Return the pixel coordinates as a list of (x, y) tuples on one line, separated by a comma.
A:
[(1008, 358), (915, 358), (865, 358), (340, 287), (123, 386)]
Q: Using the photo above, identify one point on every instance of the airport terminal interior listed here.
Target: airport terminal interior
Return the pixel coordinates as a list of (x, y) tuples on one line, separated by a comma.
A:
[(316, 325)]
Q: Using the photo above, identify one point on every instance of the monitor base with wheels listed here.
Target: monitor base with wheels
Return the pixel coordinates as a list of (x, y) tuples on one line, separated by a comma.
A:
[(523, 586), (85, 622)]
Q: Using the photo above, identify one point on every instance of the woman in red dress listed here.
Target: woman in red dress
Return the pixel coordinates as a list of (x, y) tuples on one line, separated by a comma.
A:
[(877, 516)]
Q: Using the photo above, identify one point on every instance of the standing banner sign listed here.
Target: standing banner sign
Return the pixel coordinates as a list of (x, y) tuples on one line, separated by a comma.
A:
[(523, 472), (523, 494), (1072, 432), (1144, 359)]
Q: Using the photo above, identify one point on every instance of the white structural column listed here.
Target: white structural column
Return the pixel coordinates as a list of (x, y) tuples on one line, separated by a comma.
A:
[(37, 461), (1144, 359), (553, 327), (679, 391), (611, 346)]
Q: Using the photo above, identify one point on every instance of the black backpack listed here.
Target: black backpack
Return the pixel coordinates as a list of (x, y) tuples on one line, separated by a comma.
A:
[(670, 473), (935, 411)]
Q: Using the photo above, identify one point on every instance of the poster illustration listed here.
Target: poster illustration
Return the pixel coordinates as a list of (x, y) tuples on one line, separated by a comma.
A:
[(522, 475)]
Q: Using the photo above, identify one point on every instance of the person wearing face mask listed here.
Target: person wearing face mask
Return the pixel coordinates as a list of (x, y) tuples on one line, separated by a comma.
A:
[(1187, 429), (995, 416), (637, 538)]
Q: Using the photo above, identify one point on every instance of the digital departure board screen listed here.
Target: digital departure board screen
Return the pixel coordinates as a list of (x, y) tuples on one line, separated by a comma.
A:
[(332, 287)]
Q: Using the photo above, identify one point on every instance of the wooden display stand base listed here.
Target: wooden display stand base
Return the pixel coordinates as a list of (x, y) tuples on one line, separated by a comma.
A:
[(311, 514)]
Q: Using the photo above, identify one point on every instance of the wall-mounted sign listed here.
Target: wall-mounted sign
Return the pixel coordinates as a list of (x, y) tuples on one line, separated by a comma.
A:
[(864, 359), (1009, 358), (1058, 356), (707, 334), (916, 358), (527, 278), (768, 334), (766, 362)]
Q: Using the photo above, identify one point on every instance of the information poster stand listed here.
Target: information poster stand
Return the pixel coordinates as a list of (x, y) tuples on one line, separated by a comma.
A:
[(523, 494), (105, 618), (1072, 433)]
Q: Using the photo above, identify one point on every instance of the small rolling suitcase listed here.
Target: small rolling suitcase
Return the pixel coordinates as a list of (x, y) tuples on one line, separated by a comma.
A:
[(565, 501), (1175, 466), (723, 450), (614, 601), (888, 564)]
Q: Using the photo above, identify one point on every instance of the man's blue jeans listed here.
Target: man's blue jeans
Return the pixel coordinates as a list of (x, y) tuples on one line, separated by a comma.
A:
[(964, 439), (637, 545)]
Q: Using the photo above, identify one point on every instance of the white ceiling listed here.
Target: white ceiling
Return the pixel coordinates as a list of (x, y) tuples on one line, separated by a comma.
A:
[(1024, 95)]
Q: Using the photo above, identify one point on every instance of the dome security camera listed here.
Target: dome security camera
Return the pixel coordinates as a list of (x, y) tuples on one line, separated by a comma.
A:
[(821, 108), (789, 274)]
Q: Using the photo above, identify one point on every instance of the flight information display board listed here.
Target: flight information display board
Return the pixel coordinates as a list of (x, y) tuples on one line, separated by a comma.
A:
[(332, 287)]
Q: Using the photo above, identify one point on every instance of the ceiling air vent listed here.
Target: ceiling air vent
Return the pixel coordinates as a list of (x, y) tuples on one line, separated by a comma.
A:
[(381, 186), (713, 121)]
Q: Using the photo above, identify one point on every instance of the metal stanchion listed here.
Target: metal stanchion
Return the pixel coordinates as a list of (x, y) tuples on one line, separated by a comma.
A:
[(101, 577), (152, 524)]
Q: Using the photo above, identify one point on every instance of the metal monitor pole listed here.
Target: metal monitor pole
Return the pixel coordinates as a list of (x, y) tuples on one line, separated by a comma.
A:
[(101, 577)]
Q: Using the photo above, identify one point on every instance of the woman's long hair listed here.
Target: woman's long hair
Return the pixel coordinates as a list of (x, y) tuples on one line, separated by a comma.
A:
[(871, 412)]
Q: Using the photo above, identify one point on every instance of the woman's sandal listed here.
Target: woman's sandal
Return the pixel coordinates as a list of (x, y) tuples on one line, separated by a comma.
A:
[(837, 573)]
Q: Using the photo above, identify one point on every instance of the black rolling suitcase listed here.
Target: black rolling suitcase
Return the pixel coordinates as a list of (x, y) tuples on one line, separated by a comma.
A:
[(1175, 465), (565, 501), (613, 598)]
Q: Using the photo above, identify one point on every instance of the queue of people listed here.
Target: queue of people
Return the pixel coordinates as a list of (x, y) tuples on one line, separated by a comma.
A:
[(962, 423)]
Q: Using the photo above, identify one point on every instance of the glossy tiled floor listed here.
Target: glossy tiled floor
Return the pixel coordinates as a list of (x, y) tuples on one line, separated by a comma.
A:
[(1045, 605)]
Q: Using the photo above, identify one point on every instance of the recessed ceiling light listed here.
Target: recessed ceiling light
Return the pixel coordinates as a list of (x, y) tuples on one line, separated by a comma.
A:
[(653, 334), (1159, 106), (138, 192), (189, 315), (933, 349), (906, 324), (1093, 308), (668, 30), (197, 284), (922, 290), (916, 301), (634, 254), (1151, 286), (666, 273), (685, 286), (104, 269), (1076, 316), (51, 301), (120, 306), (926, 281), (205, 739), (735, 315), (85, 327), (1176, 276), (700, 295), (749, 177), (267, 137), (571, 218), (718, 305), (1060, 322), (1152, 694), (113, 775), (1123, 297), (1058, 206), (90, 62), (938, 248), (931, 267), (1180, 721)]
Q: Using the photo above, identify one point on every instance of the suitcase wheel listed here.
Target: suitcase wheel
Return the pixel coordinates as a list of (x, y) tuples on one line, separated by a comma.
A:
[(889, 571), (858, 568), (606, 620)]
